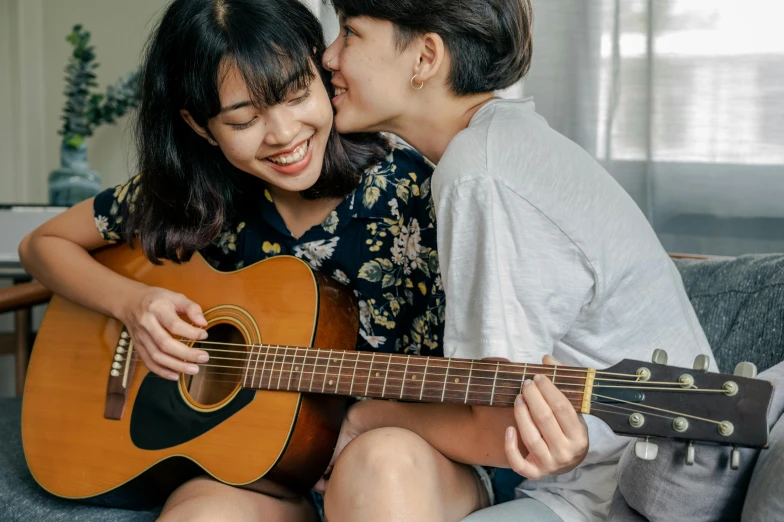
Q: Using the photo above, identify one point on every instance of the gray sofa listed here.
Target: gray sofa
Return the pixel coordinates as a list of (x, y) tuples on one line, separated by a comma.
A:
[(740, 303)]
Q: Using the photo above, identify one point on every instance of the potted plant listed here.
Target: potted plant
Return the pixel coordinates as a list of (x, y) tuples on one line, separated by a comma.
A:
[(84, 111)]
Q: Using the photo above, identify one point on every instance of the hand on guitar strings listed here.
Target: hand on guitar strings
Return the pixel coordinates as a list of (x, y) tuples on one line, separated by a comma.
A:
[(554, 434), (152, 317)]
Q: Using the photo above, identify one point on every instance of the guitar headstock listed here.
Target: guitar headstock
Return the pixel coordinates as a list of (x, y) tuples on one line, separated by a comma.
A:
[(651, 399)]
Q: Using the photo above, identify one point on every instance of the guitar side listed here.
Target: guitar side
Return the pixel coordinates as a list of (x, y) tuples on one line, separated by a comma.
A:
[(277, 442)]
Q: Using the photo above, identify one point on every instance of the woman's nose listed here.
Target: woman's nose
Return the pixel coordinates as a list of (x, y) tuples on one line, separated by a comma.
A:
[(330, 59), (282, 127)]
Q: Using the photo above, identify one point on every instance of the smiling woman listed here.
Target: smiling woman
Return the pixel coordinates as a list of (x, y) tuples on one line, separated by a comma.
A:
[(239, 162)]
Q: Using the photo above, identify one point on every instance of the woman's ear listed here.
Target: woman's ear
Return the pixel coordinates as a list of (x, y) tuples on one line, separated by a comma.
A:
[(431, 57), (201, 131)]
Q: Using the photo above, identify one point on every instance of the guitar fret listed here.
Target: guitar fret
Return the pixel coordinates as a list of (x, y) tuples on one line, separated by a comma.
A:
[(291, 369), (386, 375), (313, 371), (263, 366), (468, 385), (247, 367), (555, 368), (272, 370), (370, 372), (280, 375), (424, 376), (340, 371), (495, 378), (446, 377), (302, 371), (522, 381), (326, 373), (354, 374), (405, 371)]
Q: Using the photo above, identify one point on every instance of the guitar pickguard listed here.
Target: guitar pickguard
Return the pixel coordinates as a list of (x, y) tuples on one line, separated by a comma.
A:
[(161, 418)]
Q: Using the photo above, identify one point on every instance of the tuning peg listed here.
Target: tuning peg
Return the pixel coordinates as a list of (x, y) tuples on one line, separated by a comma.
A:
[(746, 369), (646, 450), (701, 363), (659, 356), (689, 453), (735, 458)]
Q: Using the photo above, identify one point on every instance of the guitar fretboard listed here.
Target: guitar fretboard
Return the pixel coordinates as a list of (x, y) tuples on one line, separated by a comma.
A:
[(409, 378)]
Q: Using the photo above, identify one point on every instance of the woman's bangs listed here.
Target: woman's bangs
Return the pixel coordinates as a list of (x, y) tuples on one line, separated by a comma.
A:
[(274, 71)]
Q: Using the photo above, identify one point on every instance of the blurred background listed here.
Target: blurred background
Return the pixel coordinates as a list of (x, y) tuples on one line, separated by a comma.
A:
[(681, 100)]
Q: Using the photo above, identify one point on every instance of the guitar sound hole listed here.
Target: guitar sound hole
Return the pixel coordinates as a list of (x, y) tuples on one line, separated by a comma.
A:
[(219, 378)]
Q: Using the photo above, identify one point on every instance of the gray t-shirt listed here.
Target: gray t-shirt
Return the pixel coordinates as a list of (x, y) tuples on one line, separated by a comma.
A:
[(542, 252)]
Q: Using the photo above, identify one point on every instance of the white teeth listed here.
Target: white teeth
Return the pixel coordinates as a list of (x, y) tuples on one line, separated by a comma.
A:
[(291, 157), (339, 91)]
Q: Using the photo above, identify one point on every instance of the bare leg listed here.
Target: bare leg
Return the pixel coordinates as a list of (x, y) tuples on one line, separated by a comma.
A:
[(205, 499), (391, 474)]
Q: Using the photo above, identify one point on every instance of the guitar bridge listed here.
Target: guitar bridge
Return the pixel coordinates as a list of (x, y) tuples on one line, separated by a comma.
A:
[(120, 375)]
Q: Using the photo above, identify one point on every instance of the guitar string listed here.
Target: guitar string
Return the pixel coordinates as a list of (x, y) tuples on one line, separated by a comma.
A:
[(641, 385), (517, 366), (668, 417), (640, 405), (268, 374), (463, 361)]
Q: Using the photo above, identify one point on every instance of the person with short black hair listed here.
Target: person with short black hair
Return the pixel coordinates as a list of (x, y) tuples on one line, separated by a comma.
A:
[(542, 252)]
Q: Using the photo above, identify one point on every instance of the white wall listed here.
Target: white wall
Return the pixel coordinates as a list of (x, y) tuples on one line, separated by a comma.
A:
[(33, 54)]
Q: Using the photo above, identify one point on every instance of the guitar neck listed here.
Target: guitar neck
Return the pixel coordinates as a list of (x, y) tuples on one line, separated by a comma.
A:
[(410, 378)]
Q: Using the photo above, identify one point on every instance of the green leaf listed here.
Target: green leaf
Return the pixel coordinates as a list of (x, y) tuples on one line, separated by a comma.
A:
[(371, 196), (402, 192), (389, 280), (380, 182), (386, 264), (394, 307), (371, 271)]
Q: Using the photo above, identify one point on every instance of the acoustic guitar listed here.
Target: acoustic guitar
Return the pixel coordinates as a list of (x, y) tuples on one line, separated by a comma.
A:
[(265, 411)]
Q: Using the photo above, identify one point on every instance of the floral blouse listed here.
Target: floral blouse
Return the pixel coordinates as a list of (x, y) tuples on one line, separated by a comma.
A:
[(380, 242)]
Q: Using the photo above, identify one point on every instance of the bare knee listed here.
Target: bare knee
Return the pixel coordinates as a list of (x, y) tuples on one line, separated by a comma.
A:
[(206, 500), (378, 472), (390, 456)]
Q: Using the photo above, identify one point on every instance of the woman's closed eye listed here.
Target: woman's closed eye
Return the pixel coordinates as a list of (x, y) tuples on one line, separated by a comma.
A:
[(300, 97), (240, 126), (348, 31)]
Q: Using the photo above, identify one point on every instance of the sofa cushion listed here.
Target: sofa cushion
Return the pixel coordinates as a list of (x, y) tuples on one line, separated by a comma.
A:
[(740, 305), (666, 489), (22, 499)]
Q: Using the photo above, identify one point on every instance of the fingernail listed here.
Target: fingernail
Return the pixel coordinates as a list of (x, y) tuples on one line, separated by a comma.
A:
[(509, 432), (204, 335), (527, 382), (192, 369), (173, 376), (203, 358), (519, 400), (538, 378)]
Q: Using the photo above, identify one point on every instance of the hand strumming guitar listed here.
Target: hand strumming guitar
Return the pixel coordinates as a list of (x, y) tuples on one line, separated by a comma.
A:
[(152, 316)]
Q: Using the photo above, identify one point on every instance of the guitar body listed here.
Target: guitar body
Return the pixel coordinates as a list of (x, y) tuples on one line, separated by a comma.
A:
[(85, 434)]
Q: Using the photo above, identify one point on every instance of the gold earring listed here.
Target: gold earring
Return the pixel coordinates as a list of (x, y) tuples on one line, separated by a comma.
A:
[(412, 83), (212, 141)]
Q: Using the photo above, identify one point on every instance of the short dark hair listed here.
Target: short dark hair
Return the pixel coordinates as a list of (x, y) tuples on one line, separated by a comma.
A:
[(489, 41), (188, 188)]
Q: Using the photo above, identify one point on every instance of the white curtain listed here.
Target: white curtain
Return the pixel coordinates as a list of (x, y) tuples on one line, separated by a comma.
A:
[(682, 101)]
